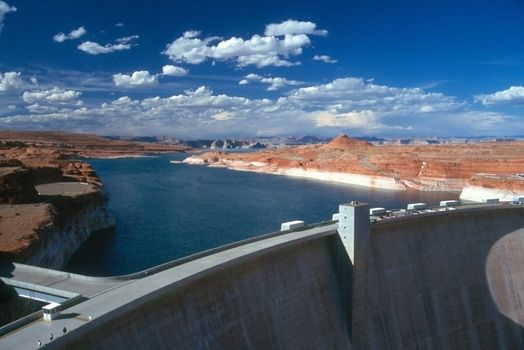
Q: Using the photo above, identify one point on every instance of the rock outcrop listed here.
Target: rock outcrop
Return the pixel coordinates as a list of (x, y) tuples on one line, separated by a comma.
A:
[(46, 231)]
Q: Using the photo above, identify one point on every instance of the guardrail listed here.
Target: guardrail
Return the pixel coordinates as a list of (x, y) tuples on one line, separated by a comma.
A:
[(169, 264), (35, 316)]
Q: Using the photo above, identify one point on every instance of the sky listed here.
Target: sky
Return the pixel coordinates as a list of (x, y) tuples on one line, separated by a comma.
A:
[(215, 69)]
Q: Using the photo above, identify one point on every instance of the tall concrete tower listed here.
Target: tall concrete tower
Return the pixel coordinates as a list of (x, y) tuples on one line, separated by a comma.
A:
[(353, 228)]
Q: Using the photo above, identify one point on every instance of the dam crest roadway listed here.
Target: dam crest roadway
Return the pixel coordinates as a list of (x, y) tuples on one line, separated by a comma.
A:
[(431, 279)]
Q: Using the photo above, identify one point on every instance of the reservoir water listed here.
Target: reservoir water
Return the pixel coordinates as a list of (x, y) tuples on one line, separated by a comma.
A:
[(167, 211)]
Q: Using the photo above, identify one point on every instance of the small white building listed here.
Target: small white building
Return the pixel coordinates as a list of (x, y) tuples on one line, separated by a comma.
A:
[(448, 203), (416, 206), (291, 225), (51, 311), (377, 211)]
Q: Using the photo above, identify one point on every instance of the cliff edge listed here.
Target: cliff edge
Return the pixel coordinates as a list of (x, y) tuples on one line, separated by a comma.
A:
[(45, 230)]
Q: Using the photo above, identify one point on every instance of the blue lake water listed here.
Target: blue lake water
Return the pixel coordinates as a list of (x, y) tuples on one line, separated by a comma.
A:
[(167, 211)]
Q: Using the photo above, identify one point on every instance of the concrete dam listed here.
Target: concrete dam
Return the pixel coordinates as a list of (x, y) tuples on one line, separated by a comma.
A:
[(439, 280)]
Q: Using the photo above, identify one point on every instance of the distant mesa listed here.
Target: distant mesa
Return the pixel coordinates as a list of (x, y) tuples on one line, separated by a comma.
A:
[(344, 142)]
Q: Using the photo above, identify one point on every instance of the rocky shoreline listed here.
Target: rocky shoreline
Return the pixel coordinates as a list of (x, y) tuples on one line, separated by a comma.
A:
[(456, 168), (46, 230)]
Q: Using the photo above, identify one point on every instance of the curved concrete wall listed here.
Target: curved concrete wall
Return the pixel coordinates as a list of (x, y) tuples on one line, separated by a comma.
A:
[(425, 283), (283, 299)]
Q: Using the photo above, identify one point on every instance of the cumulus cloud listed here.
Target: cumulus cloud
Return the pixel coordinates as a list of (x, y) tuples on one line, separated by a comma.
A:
[(121, 44), (351, 105), (173, 71), (4, 9), (10, 81), (355, 94), (74, 34), (138, 78), (221, 116), (324, 58), (37, 108), (54, 95), (363, 120), (285, 39), (127, 39), (513, 95), (292, 26), (275, 83)]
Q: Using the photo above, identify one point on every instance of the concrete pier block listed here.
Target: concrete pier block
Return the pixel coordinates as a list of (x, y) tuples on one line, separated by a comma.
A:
[(353, 227)]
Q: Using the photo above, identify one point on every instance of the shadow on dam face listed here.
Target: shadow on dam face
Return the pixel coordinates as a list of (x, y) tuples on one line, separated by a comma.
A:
[(443, 283), (452, 281)]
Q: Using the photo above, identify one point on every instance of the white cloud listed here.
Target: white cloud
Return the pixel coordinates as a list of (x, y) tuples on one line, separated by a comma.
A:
[(173, 71), (121, 44), (355, 94), (275, 83), (293, 27), (139, 78), (350, 105), (4, 9), (288, 39), (513, 95), (54, 95), (74, 34), (119, 24), (324, 58), (10, 81), (127, 39), (221, 116), (37, 108), (360, 120)]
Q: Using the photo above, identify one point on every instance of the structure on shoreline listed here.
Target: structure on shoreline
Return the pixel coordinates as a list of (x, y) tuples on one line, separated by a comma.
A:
[(442, 279)]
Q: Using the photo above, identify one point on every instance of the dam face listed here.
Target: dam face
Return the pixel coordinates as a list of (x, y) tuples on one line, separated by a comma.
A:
[(444, 280), (288, 299), (425, 284)]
